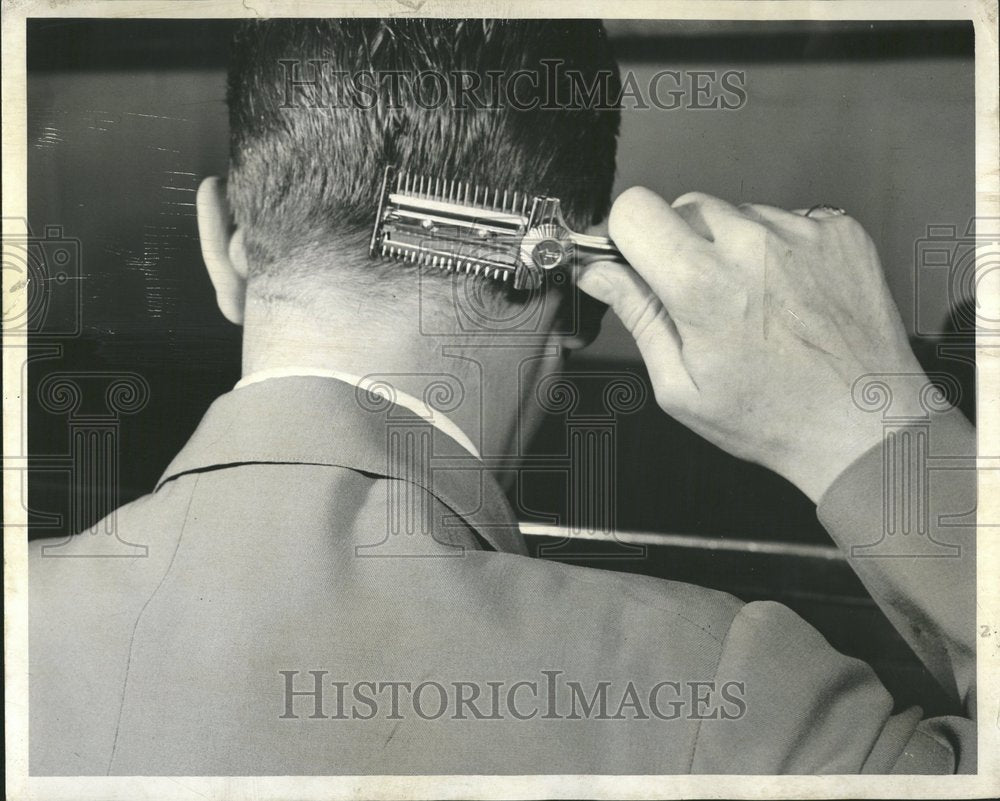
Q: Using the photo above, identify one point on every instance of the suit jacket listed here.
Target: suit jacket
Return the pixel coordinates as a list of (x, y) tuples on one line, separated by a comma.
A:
[(328, 591)]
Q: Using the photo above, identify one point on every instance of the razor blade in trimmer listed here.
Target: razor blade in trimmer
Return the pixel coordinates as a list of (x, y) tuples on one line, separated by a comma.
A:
[(458, 226)]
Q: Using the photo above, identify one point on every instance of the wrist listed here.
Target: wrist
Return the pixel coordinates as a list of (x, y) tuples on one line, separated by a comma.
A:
[(859, 421)]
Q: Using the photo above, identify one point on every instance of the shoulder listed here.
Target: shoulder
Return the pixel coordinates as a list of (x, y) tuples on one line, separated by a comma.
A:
[(131, 545), (551, 599)]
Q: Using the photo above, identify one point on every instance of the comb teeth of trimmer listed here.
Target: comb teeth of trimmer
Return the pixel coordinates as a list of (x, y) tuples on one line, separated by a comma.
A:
[(459, 226), (460, 192)]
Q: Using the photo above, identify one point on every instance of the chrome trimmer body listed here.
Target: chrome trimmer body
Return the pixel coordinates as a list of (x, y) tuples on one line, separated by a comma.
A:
[(458, 226)]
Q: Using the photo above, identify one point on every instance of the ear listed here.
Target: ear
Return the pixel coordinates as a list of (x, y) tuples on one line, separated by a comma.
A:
[(222, 249), (589, 311)]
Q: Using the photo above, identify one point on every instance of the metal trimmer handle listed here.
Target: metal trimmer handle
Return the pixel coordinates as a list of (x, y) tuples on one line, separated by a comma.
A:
[(592, 248)]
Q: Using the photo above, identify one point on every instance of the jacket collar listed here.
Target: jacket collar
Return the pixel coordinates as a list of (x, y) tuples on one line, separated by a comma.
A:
[(322, 421)]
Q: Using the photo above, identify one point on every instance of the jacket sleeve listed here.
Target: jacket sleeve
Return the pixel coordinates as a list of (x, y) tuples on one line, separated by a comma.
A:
[(905, 516)]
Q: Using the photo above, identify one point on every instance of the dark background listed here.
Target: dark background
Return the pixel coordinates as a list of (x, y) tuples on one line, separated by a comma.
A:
[(126, 117)]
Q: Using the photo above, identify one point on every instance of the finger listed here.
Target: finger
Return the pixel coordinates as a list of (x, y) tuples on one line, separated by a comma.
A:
[(777, 219), (820, 212), (656, 241), (765, 213), (647, 320), (706, 214)]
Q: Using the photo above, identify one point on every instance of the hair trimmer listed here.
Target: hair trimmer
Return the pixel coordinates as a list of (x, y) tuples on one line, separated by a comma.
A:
[(457, 226)]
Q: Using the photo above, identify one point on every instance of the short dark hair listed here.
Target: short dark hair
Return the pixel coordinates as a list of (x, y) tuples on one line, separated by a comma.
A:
[(306, 167)]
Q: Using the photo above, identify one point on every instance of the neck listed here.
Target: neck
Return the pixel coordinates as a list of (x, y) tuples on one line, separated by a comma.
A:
[(344, 337), (469, 380)]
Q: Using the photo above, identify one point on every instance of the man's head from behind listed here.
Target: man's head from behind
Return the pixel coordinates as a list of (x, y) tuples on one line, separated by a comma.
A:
[(319, 107)]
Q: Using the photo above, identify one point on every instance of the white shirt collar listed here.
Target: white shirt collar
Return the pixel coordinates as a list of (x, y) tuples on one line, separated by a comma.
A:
[(437, 419)]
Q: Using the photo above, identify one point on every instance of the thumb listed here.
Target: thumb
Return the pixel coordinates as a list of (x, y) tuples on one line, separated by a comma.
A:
[(645, 318)]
